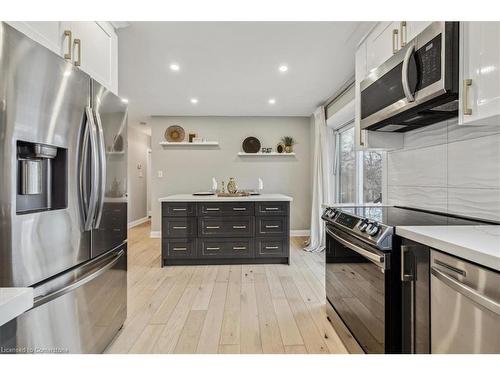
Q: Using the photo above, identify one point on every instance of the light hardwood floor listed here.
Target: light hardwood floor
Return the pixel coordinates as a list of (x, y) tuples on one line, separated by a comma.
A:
[(224, 309)]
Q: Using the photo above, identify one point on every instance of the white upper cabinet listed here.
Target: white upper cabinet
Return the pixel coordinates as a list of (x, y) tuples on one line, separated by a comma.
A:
[(92, 45), (410, 29), (479, 73), (381, 44)]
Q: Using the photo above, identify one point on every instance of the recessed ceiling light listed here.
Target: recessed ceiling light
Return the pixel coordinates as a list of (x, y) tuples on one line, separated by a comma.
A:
[(124, 100), (194, 100), (174, 67), (283, 68), (272, 101)]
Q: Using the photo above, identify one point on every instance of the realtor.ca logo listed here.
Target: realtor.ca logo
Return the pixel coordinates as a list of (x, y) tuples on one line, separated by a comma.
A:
[(30, 350)]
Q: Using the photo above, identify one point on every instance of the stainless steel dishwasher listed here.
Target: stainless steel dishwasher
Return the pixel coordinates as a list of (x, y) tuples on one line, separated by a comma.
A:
[(465, 306)]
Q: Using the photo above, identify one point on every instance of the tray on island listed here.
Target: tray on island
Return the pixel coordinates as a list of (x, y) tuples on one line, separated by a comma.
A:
[(239, 194)]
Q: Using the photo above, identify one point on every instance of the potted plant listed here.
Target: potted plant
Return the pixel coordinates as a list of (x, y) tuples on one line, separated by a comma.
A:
[(288, 142)]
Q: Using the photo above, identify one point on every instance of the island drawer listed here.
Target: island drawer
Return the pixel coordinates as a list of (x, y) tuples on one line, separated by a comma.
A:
[(226, 226), (178, 209), (271, 247), (225, 248), (271, 208), (272, 226), (178, 227), (226, 209), (178, 248)]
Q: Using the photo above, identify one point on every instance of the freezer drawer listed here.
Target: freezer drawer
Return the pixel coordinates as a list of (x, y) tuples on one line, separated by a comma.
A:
[(79, 311), (465, 306)]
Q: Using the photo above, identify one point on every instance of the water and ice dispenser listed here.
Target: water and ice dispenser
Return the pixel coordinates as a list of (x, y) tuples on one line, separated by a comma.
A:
[(42, 177)]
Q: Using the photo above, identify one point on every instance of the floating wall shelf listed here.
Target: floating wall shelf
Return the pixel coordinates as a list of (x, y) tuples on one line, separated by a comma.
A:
[(266, 154), (189, 144)]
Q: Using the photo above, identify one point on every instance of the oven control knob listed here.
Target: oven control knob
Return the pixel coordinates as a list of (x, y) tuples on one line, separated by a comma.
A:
[(362, 225), (372, 229)]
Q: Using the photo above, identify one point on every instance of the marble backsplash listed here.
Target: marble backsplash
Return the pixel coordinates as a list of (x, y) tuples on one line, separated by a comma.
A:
[(447, 167)]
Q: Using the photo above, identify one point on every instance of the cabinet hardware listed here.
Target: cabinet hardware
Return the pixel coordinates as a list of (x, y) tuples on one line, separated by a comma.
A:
[(450, 268), (239, 209), (272, 247), (465, 100), (404, 34), (213, 248), (405, 276), (394, 41), (213, 227), (178, 209), (78, 43), (272, 226), (239, 248), (213, 209), (272, 208), (179, 227), (239, 226), (361, 142), (67, 34), (179, 249)]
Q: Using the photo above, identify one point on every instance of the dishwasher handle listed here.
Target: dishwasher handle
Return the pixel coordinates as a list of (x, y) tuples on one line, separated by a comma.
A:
[(467, 291)]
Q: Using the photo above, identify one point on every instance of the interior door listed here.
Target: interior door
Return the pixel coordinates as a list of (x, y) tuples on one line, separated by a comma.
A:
[(111, 215)]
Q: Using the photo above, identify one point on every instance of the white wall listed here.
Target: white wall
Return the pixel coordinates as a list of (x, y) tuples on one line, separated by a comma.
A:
[(138, 144), (188, 170), (450, 168)]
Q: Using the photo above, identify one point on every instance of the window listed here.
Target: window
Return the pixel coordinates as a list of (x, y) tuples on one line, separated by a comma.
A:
[(358, 174)]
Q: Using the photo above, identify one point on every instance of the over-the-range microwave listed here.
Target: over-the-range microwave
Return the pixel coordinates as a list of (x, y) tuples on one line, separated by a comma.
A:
[(417, 86)]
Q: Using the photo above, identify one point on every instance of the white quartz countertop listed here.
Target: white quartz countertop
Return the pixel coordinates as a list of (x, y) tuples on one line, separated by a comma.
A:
[(479, 244), (214, 198), (13, 302)]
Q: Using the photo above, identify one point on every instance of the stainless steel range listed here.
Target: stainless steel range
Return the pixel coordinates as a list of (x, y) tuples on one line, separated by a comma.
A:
[(368, 284)]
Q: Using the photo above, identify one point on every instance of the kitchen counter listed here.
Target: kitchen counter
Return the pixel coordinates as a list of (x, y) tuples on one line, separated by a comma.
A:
[(479, 244), (13, 302), (215, 198)]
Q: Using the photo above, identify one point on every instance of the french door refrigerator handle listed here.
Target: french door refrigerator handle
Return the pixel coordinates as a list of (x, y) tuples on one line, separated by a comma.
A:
[(94, 168), (82, 172), (78, 283), (404, 72), (102, 177)]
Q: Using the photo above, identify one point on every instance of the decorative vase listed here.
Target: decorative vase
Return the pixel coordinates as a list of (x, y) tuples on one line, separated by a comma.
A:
[(288, 149), (231, 186)]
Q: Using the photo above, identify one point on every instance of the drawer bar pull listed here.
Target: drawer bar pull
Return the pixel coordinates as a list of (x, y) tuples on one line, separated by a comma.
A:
[(239, 209), (272, 247), (213, 227), (180, 227), (179, 249), (213, 248), (272, 226), (213, 209), (178, 209), (272, 208), (239, 248), (239, 227)]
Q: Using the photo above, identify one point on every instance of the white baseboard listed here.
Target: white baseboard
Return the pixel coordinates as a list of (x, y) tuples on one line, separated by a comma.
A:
[(155, 234), (137, 222), (300, 233)]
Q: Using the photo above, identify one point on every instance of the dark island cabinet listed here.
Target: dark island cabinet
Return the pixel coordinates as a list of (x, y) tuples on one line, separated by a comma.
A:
[(225, 232)]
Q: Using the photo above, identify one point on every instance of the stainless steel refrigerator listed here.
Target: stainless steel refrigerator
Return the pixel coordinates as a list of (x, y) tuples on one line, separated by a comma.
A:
[(63, 205)]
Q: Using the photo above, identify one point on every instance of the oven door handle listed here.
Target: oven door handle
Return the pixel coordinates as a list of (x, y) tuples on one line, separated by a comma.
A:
[(375, 258)]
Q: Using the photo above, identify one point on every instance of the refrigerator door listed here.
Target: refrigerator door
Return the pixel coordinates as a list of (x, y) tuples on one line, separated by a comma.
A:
[(79, 311), (110, 225), (42, 101)]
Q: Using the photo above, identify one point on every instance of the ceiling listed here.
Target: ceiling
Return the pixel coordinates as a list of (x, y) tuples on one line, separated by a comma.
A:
[(232, 68)]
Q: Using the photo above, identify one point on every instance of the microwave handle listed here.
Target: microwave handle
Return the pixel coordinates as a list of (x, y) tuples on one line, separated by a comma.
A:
[(406, 85)]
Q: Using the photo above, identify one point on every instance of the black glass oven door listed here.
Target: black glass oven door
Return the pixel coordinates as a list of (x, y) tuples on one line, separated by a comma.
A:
[(355, 287)]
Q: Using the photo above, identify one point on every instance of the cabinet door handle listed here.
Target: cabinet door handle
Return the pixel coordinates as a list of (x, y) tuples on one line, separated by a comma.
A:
[(179, 249), (78, 43), (213, 227), (465, 100), (272, 208), (272, 226), (272, 247), (239, 227), (179, 227), (213, 248), (239, 209), (239, 248), (67, 34), (213, 209), (394, 41), (361, 141), (178, 209), (404, 33)]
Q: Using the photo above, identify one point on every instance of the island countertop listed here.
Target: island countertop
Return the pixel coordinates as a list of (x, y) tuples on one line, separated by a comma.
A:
[(215, 198)]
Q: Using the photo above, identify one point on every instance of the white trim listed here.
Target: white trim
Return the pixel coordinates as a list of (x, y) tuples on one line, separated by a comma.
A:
[(137, 222), (300, 233), (149, 213), (155, 234)]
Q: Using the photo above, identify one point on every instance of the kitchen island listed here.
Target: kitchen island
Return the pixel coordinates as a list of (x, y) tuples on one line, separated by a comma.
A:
[(225, 230)]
